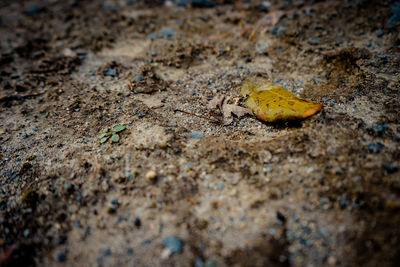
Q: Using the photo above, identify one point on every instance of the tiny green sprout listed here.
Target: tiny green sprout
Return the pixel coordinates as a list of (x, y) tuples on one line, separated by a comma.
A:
[(115, 138), (104, 139), (113, 133), (118, 128)]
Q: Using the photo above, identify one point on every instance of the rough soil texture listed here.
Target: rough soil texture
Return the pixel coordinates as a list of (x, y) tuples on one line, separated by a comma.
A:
[(324, 191)]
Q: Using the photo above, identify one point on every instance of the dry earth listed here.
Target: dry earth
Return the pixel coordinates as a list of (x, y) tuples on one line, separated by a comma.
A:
[(323, 191)]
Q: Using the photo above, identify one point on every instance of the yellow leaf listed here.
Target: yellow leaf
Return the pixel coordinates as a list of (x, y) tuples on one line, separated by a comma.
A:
[(270, 102)]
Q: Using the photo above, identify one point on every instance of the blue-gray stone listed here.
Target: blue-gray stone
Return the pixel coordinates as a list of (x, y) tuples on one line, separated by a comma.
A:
[(203, 3), (173, 243), (343, 203), (264, 6), (131, 2), (389, 167), (261, 49), (33, 10), (278, 31), (198, 263), (107, 252), (210, 263), (81, 53), (110, 72), (221, 185), (129, 251), (26, 233), (61, 257), (196, 135), (166, 33), (313, 42), (375, 147), (374, 64), (184, 3)]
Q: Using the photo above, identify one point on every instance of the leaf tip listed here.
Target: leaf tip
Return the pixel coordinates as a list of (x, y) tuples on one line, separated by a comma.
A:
[(312, 111)]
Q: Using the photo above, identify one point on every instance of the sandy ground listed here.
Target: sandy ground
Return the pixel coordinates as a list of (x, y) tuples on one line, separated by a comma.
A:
[(186, 185)]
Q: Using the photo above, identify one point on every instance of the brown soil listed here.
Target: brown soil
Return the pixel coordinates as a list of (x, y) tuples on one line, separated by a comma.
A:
[(322, 191)]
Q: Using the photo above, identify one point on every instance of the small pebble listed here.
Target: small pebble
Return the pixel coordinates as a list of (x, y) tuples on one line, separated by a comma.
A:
[(183, 3), (110, 72), (332, 260), (343, 203), (221, 185), (151, 175), (61, 257), (272, 231), (68, 186), (378, 129), (203, 3), (78, 224), (26, 232), (261, 49), (196, 135), (375, 147), (107, 252), (146, 242), (264, 6), (131, 2), (138, 222), (389, 167), (81, 53), (278, 31), (374, 64), (173, 243), (313, 42), (198, 263), (32, 10), (280, 217), (129, 251), (139, 78), (166, 33), (210, 263)]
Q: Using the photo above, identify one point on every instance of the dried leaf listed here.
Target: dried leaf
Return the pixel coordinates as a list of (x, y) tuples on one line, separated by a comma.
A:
[(216, 102), (271, 102), (270, 20), (229, 109)]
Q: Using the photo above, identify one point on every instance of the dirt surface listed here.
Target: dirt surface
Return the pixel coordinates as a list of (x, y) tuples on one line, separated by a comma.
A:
[(188, 183)]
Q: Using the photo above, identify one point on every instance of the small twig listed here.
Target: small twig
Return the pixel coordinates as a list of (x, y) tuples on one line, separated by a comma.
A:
[(199, 116), (32, 94)]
